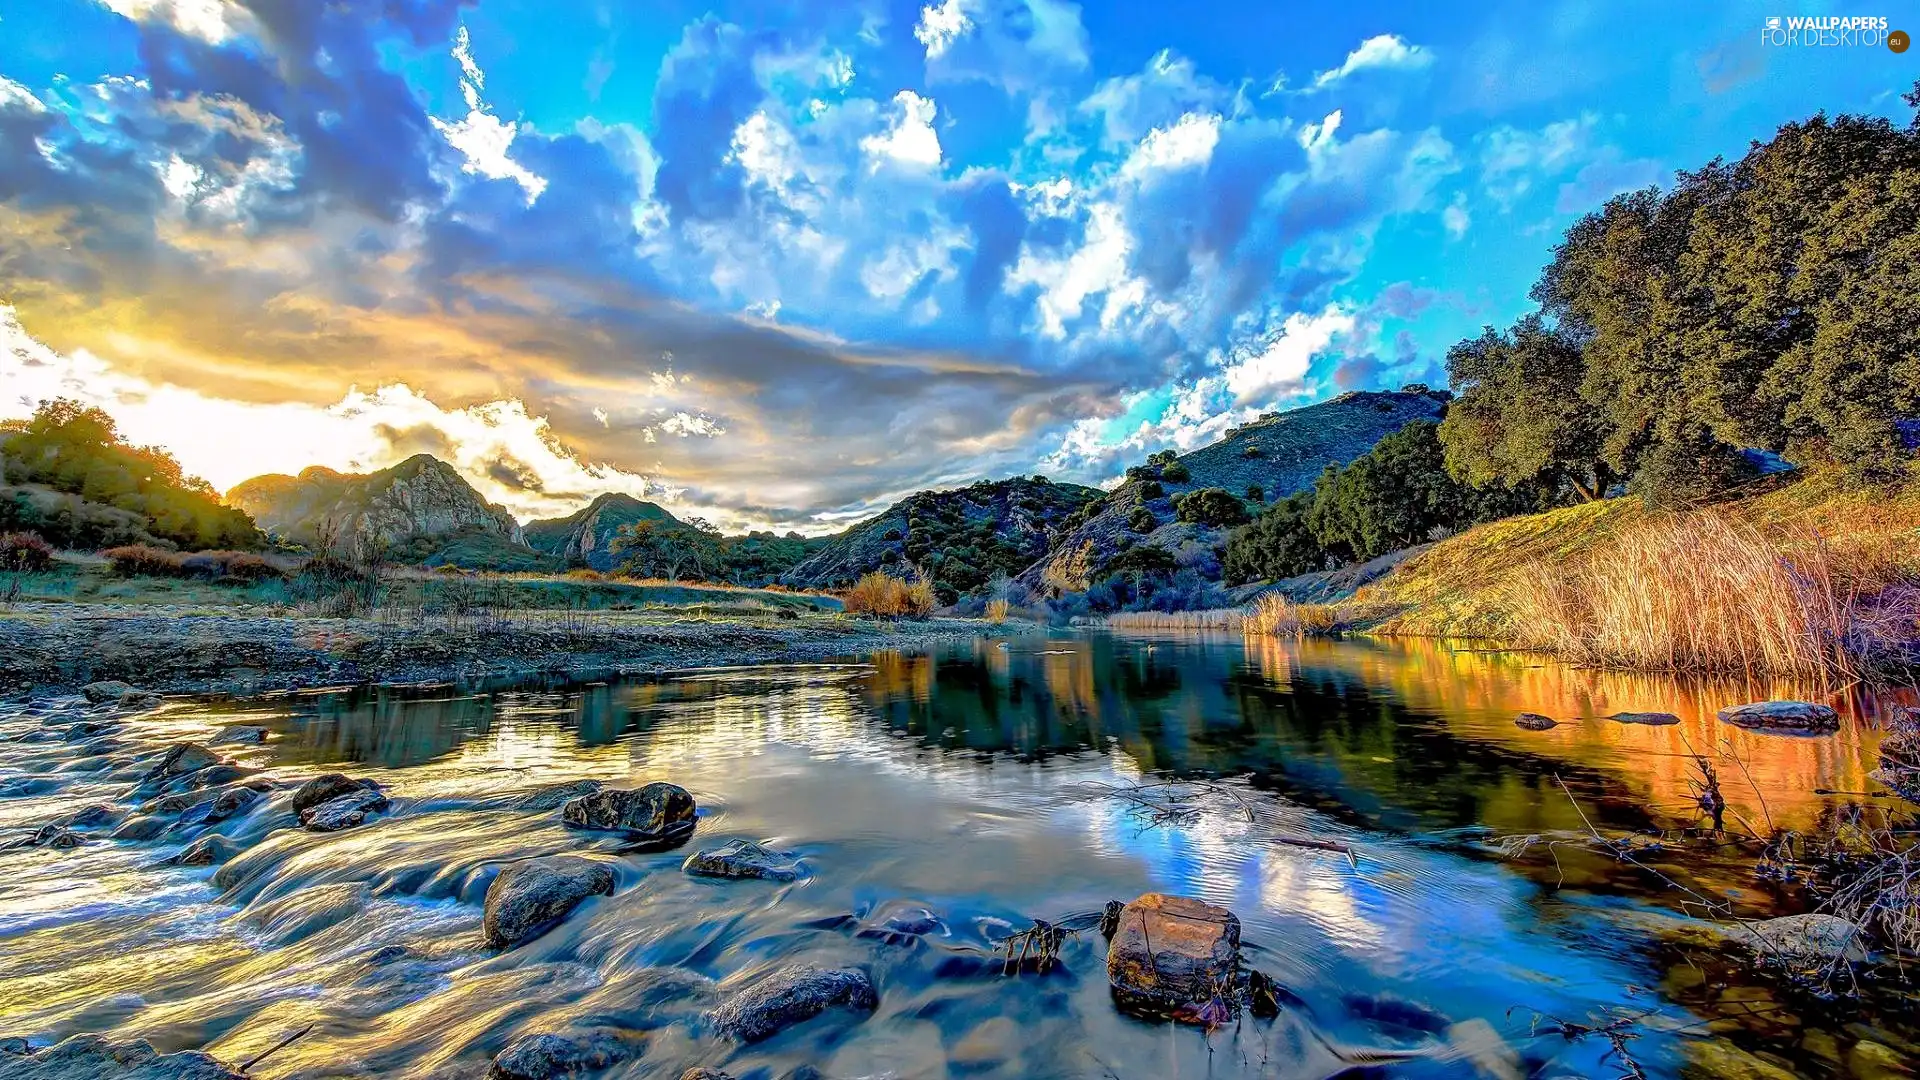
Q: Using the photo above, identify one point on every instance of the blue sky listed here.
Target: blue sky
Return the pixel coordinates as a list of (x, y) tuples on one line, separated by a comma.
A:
[(782, 263)]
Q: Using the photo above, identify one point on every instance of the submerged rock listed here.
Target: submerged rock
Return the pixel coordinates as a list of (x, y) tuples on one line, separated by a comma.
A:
[(87, 817), (142, 827), (247, 734), (1806, 938), (1782, 716), (343, 812), (1650, 719), (529, 897), (1533, 721), (542, 1056), (791, 996), (207, 850), (326, 788), (656, 811), (181, 759), (699, 1073), (54, 837), (1171, 953), (93, 1057), (19, 787), (554, 796), (743, 859)]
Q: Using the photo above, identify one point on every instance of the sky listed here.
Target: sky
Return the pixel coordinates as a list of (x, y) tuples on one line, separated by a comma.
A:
[(782, 263)]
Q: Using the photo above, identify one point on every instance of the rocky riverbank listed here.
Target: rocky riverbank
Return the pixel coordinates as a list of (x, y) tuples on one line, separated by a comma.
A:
[(57, 649)]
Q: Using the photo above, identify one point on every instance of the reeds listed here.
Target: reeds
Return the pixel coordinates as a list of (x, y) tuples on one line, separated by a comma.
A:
[(890, 597), (1214, 619), (1274, 615), (998, 610)]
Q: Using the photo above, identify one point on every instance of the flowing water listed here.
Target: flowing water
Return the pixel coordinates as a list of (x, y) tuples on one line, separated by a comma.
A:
[(972, 785)]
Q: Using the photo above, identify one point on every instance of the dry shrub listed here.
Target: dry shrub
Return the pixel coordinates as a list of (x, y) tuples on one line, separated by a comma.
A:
[(1215, 619), (583, 574), (1702, 591), (997, 611), (24, 553), (890, 597), (142, 560), (1275, 616)]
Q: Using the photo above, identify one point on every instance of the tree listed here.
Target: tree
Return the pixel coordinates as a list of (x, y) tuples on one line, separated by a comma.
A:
[(1276, 544), (1215, 507), (1517, 417), (658, 549)]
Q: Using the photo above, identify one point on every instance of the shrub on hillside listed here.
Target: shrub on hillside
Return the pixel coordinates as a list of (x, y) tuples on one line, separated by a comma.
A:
[(1142, 520), (1215, 507), (24, 553), (1175, 473), (143, 560), (890, 597)]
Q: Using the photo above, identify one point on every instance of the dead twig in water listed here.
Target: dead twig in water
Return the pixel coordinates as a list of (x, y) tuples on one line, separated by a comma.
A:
[(277, 1047)]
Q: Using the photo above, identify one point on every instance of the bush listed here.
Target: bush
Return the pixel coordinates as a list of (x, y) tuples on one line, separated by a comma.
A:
[(142, 560), (1252, 450), (1278, 544), (1256, 493), (1142, 520), (585, 575), (889, 597), (1149, 491), (1215, 507), (1175, 473), (225, 566), (24, 553)]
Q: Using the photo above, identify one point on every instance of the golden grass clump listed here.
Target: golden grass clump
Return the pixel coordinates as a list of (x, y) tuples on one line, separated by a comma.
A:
[(890, 597), (1214, 619), (1705, 591), (997, 611), (1274, 615)]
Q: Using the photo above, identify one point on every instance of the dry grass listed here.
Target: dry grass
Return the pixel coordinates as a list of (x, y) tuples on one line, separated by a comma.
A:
[(1217, 619), (1274, 615), (890, 597), (998, 610)]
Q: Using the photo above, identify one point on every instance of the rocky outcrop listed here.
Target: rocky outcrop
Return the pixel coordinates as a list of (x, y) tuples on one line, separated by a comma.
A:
[(420, 497), (543, 1056), (743, 859), (791, 996), (325, 788), (529, 897), (344, 811), (658, 811), (586, 536), (93, 1057), (1173, 954), (1792, 716)]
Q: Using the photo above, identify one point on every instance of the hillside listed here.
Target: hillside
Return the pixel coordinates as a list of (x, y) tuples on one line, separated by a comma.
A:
[(1280, 454), (420, 499), (962, 537), (585, 537)]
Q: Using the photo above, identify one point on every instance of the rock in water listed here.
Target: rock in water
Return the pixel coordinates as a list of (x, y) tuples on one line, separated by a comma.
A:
[(543, 1056), (652, 812), (1781, 716), (1806, 938), (1650, 719), (248, 734), (181, 759), (326, 788), (556, 795), (705, 1074), (1533, 721), (1171, 953), (106, 690), (528, 897), (743, 859), (209, 849), (92, 1057), (344, 812), (790, 996)]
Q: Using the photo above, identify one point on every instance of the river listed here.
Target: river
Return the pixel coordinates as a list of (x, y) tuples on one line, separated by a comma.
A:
[(973, 784)]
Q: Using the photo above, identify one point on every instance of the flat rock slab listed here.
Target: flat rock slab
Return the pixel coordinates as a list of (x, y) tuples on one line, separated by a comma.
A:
[(344, 812), (656, 811), (543, 1056), (1170, 953), (791, 996), (1533, 721), (1806, 938), (1649, 719), (743, 859), (529, 897), (246, 734), (1792, 716)]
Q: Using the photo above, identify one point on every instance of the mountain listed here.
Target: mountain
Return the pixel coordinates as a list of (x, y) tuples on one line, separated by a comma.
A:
[(961, 537), (410, 510), (586, 535), (1280, 453)]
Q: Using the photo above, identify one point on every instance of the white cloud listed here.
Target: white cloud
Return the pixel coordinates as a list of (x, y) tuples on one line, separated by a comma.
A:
[(480, 136), (600, 414), (15, 96), (1187, 143), (767, 152), (686, 424), (1278, 366), (209, 20), (1380, 51), (911, 140), (1511, 159), (902, 266), (1098, 266), (941, 26), (1455, 216)]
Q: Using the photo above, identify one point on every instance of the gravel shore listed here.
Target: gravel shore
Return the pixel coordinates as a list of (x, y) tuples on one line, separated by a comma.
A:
[(56, 649)]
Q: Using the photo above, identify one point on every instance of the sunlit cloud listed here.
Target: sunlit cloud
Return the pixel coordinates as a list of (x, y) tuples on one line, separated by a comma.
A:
[(480, 136)]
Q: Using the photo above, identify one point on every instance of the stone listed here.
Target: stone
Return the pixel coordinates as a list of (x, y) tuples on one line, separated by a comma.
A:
[(1869, 1060), (206, 851), (14, 1046), (18, 787), (180, 760), (1812, 938), (245, 734), (1781, 716), (142, 827), (1718, 1059), (1900, 764), (1171, 953), (542, 1056), (554, 796), (326, 788), (699, 1073), (55, 837), (343, 812), (106, 690), (793, 995), (743, 859), (1533, 721), (93, 1057), (1650, 719), (84, 730), (656, 811), (88, 817), (527, 898)]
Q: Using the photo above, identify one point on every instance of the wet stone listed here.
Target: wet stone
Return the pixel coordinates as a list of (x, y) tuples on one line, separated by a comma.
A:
[(1806, 938), (344, 812), (181, 759), (106, 690), (743, 859), (1171, 953), (555, 796), (242, 734), (1794, 716), (325, 788), (17, 787), (529, 897), (791, 996), (705, 1074), (206, 851), (88, 817), (656, 811), (1533, 721), (1649, 719), (142, 827), (542, 1056), (93, 1057)]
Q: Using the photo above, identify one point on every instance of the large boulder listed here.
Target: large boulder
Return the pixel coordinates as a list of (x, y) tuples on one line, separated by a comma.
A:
[(790, 996), (656, 811), (343, 812), (543, 1056), (1782, 716), (325, 788), (1170, 954), (93, 1057), (743, 859), (529, 897)]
